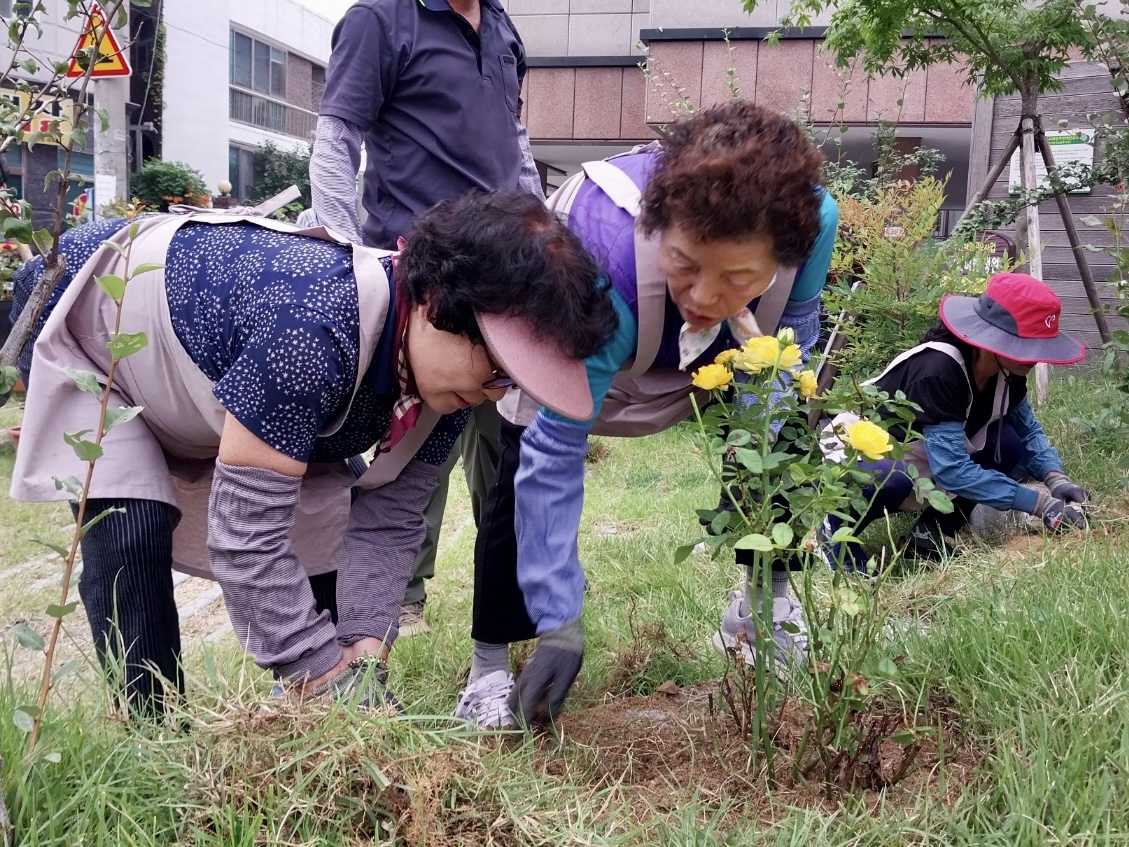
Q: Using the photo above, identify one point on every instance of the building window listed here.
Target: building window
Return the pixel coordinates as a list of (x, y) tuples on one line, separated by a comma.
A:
[(241, 172), (257, 72)]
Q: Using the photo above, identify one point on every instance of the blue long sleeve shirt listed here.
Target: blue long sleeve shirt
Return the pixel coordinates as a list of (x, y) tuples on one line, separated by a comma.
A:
[(955, 472), (549, 485)]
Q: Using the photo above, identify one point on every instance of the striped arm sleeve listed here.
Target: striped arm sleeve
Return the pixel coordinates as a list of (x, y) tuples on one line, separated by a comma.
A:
[(333, 175)]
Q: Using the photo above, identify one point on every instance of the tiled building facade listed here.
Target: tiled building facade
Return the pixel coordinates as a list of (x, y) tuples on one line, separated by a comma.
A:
[(585, 95)]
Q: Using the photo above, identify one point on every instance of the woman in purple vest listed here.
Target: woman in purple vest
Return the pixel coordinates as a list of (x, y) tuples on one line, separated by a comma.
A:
[(730, 197)]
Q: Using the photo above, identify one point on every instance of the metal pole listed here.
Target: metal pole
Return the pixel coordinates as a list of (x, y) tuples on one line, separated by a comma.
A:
[(111, 158)]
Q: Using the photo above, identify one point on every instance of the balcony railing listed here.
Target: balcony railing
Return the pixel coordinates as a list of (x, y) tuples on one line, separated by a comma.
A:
[(270, 114)]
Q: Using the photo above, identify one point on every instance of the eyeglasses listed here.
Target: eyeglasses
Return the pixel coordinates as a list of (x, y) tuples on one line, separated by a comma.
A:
[(500, 380)]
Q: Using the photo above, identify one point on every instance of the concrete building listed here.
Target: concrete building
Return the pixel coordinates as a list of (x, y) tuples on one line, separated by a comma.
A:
[(212, 79), (586, 97), (238, 73)]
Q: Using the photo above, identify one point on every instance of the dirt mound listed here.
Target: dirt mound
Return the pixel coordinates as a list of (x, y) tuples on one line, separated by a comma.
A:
[(669, 744)]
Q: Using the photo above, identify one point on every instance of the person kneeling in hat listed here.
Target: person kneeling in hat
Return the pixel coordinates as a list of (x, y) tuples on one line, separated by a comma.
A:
[(969, 376)]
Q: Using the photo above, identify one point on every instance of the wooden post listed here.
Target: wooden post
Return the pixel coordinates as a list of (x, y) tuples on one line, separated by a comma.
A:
[(994, 173), (1034, 256), (1075, 243)]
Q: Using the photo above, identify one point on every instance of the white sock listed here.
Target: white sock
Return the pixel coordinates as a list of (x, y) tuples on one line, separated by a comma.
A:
[(488, 658)]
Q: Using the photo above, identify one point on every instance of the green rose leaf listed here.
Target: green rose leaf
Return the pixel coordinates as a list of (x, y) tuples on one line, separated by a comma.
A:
[(57, 611), (8, 377), (44, 240), (754, 541), (782, 535), (84, 381), (18, 229), (66, 669), (24, 722), (28, 637), (120, 415), (99, 518), (751, 459), (683, 553), (87, 451), (940, 501), (62, 551), (113, 285), (126, 344), (70, 484), (144, 268)]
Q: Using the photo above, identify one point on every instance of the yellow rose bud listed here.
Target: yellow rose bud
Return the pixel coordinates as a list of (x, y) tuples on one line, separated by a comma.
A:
[(808, 384), (712, 376), (786, 336), (869, 439), (725, 357)]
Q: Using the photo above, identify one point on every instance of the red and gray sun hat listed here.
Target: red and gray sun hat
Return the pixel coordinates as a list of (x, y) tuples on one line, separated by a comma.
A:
[(1016, 317), (538, 365)]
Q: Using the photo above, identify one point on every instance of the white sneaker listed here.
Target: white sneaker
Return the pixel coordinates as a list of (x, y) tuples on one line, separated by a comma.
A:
[(736, 632), (484, 701)]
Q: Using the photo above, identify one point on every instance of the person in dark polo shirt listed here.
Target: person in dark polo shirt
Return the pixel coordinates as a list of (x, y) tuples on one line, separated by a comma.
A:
[(431, 90)]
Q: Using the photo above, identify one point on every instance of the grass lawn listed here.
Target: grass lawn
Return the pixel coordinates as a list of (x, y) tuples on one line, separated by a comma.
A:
[(1020, 649)]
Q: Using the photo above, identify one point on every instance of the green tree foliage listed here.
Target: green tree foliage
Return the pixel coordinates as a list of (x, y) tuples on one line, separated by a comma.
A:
[(1007, 46), (276, 169), (161, 184)]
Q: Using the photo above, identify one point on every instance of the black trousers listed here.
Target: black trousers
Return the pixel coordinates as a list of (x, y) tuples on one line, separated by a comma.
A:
[(127, 590), (499, 615)]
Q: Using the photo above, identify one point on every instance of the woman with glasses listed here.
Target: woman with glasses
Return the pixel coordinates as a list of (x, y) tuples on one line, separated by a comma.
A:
[(274, 355)]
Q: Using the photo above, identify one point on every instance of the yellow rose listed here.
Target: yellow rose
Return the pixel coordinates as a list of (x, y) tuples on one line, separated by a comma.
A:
[(808, 384), (758, 354), (869, 439), (725, 356), (790, 357), (713, 376)]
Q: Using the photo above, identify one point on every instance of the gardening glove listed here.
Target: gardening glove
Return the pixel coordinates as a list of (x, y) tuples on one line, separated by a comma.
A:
[(1064, 488), (1059, 515), (544, 682)]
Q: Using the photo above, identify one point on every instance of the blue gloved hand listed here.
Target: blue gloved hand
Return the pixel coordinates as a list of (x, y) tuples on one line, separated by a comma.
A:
[(1064, 488), (547, 676)]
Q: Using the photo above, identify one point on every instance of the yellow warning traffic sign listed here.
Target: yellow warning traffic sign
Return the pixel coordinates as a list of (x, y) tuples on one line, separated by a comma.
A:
[(111, 61)]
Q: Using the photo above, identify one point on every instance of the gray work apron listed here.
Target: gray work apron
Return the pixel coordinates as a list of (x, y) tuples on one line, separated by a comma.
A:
[(168, 453), (831, 441)]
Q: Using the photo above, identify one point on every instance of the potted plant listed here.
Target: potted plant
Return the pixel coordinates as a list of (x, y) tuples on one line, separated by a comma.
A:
[(9, 263)]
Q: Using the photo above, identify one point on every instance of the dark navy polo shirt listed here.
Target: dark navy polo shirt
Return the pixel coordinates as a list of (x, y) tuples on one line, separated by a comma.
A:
[(439, 104)]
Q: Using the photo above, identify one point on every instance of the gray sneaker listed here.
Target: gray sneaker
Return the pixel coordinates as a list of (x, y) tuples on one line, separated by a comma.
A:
[(736, 633), (412, 621)]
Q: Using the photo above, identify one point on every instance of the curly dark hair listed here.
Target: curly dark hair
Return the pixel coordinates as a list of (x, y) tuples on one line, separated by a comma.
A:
[(502, 252), (736, 171)]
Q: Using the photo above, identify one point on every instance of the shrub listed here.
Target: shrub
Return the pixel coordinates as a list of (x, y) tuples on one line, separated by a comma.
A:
[(161, 184), (886, 244), (276, 169)]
